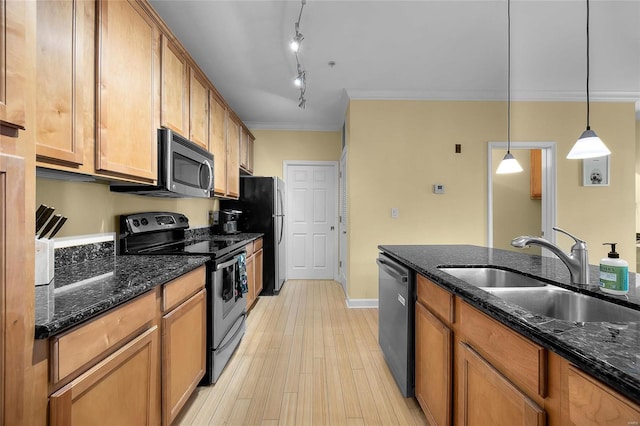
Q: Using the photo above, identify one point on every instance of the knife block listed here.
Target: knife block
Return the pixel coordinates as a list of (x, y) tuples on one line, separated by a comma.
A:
[(44, 261)]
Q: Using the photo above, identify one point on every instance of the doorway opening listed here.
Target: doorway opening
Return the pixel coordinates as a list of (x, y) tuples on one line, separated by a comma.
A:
[(508, 208)]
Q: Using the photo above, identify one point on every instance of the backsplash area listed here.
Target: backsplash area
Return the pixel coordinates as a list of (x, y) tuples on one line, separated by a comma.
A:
[(79, 249)]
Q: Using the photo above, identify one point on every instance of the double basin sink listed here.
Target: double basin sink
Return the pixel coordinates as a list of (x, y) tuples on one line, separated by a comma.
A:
[(542, 298)]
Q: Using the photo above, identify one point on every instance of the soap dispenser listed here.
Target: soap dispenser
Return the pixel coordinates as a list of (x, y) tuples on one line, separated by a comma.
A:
[(614, 273)]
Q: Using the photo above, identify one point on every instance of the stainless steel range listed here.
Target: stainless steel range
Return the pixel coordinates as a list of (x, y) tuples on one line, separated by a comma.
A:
[(158, 233)]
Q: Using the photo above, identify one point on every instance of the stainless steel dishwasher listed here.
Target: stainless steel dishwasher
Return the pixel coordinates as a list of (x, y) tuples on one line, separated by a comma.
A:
[(396, 298)]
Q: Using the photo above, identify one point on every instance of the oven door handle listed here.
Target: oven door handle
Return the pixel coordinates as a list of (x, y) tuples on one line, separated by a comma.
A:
[(227, 264), (238, 330)]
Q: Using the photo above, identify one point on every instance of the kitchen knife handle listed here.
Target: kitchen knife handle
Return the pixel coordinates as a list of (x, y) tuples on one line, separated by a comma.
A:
[(49, 226), (58, 227)]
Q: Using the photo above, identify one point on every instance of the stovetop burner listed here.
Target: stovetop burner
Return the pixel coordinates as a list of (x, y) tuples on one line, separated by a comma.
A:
[(164, 233)]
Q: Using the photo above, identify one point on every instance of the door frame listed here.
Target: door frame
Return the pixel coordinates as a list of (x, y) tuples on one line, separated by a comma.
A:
[(549, 186), (343, 252), (336, 167)]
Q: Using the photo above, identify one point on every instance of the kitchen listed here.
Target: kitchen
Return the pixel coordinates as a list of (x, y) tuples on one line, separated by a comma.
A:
[(457, 217)]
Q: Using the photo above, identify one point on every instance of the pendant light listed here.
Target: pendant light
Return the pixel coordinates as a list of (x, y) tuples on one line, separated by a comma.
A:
[(589, 145), (508, 164)]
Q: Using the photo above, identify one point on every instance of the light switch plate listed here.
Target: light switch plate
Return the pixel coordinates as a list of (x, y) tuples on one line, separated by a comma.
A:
[(394, 212)]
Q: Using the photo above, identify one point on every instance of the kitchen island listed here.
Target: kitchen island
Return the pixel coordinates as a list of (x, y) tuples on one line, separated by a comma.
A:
[(609, 352)]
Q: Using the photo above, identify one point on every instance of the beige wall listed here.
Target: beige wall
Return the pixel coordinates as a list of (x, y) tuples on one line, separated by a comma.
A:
[(92, 208), (514, 212), (399, 149), (272, 147)]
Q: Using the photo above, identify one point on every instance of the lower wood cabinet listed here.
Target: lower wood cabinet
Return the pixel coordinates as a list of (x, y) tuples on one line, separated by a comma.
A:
[(183, 353), (136, 364), (591, 403), (433, 366), (119, 390), (473, 370), (486, 397), (254, 271)]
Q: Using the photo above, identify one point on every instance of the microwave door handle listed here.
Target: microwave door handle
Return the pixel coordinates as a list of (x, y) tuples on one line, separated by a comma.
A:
[(210, 187)]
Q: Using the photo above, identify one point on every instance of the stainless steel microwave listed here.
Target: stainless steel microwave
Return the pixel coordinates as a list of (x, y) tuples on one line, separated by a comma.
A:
[(184, 170)]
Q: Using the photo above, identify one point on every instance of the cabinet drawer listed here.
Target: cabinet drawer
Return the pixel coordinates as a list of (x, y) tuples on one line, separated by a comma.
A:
[(516, 357), (257, 244), (180, 289), (79, 346), (249, 248), (437, 299)]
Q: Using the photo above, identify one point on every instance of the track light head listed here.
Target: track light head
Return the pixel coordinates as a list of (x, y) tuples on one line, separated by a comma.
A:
[(296, 42)]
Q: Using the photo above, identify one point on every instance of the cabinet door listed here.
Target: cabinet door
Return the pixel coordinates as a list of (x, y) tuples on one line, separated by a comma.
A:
[(218, 143), (61, 80), (250, 143), (233, 160), (244, 149), (258, 267), (433, 367), (251, 280), (591, 403), (12, 67), (199, 110), (486, 397), (13, 281), (536, 174), (119, 390), (175, 93), (183, 353), (128, 93)]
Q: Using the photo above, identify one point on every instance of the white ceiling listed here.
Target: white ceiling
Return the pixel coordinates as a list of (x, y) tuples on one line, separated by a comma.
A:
[(420, 49)]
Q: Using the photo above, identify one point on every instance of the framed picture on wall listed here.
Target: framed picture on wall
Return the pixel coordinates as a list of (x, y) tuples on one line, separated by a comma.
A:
[(595, 171)]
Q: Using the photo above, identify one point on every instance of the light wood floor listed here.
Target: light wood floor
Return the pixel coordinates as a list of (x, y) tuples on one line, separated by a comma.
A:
[(306, 359)]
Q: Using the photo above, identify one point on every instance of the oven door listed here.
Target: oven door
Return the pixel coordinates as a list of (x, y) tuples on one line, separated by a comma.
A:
[(229, 304)]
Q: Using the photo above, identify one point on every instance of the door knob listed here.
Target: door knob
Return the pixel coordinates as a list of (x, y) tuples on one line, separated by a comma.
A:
[(333, 227)]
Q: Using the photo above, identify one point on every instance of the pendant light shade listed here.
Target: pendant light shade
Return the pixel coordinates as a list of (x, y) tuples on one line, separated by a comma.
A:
[(508, 164), (589, 145)]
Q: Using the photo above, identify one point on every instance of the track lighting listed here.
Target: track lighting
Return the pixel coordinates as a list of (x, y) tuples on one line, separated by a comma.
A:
[(301, 79), (296, 42)]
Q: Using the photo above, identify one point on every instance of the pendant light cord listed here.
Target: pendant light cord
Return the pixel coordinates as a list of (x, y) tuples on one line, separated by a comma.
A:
[(508, 76), (588, 127)]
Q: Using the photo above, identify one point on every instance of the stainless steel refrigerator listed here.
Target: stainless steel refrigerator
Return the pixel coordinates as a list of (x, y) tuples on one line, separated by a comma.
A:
[(262, 201)]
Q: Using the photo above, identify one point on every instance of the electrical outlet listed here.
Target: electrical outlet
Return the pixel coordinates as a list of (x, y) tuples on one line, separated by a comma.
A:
[(394, 212), (438, 188)]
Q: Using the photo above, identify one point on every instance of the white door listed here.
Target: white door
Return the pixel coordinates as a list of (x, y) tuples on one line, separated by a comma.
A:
[(311, 220), (342, 223)]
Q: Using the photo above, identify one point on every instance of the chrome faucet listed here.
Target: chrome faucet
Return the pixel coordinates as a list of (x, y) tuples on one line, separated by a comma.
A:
[(577, 261)]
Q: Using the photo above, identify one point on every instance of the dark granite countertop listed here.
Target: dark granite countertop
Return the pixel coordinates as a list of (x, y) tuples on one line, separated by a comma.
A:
[(84, 290), (609, 352)]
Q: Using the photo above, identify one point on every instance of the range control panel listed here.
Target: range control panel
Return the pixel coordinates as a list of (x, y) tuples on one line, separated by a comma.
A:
[(152, 222)]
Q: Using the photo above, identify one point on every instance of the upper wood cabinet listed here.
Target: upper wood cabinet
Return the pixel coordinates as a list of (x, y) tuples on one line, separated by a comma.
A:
[(175, 88), (128, 92), (13, 76), (199, 109), (536, 174), (246, 150), (64, 75), (233, 158), (218, 143)]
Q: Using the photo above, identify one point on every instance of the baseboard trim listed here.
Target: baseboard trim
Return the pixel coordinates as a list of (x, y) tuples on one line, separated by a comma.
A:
[(362, 303)]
